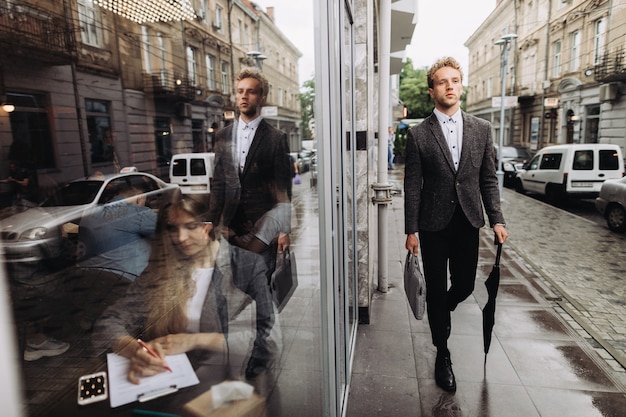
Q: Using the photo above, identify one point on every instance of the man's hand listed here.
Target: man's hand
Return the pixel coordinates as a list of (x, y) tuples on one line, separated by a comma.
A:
[(412, 244), (283, 242), (501, 233)]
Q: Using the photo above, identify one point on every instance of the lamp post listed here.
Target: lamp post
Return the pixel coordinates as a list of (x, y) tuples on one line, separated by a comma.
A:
[(258, 58), (504, 63)]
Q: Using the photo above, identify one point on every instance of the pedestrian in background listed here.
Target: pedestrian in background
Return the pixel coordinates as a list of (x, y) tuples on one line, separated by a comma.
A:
[(449, 175), (390, 139)]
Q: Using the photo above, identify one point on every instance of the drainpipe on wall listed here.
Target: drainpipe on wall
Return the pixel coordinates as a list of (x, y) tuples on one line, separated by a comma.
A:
[(382, 189)]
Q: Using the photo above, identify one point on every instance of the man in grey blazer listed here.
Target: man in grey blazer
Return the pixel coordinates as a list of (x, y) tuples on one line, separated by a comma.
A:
[(449, 175), (252, 170)]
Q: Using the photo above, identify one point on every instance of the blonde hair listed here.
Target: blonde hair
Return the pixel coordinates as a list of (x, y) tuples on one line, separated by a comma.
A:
[(169, 273), (257, 75), (441, 63)]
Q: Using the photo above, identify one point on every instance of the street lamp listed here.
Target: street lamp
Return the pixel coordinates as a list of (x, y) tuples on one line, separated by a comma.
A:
[(258, 57), (504, 62)]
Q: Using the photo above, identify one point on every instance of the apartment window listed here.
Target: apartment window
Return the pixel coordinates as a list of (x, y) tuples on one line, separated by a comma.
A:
[(575, 55), (219, 12), (238, 34), (280, 97), (210, 69), (556, 56), (225, 83), (204, 10), (598, 41), (191, 65), (32, 140), (88, 17), (162, 58), (145, 41)]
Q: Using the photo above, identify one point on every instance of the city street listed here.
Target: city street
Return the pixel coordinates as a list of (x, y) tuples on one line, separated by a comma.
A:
[(576, 264)]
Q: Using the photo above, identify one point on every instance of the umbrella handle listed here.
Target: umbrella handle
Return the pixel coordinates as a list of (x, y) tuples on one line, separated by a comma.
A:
[(498, 253)]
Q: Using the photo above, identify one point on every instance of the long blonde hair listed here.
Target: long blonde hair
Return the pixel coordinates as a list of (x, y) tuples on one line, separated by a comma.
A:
[(169, 273)]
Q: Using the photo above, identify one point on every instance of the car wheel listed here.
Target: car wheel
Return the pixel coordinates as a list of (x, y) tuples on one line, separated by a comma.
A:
[(616, 218), (554, 194), (519, 187)]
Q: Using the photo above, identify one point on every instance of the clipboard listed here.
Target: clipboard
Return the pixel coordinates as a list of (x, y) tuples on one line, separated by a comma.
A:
[(122, 391)]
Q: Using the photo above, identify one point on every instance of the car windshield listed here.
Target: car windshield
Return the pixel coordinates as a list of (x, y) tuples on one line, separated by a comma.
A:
[(74, 194)]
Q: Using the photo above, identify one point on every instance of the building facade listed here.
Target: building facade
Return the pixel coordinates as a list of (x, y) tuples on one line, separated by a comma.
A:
[(92, 90), (566, 69)]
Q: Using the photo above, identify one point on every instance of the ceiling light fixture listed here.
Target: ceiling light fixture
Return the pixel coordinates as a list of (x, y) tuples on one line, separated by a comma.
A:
[(142, 11)]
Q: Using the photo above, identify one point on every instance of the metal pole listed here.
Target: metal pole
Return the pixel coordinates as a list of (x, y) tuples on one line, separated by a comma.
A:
[(383, 188), (500, 171), (504, 62)]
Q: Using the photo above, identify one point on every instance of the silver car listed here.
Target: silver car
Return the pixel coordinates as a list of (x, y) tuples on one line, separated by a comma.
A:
[(50, 231), (612, 204)]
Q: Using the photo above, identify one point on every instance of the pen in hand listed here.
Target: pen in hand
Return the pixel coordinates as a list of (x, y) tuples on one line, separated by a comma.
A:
[(151, 352)]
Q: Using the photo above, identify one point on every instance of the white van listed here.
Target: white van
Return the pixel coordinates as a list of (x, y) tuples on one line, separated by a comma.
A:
[(571, 170), (192, 172)]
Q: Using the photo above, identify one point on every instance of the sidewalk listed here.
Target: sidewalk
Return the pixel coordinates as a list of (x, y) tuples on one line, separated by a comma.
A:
[(541, 362)]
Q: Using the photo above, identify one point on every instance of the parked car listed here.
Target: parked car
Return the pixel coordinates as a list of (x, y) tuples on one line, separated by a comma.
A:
[(50, 230), (572, 170), (612, 204), (513, 158), (304, 160), (192, 172)]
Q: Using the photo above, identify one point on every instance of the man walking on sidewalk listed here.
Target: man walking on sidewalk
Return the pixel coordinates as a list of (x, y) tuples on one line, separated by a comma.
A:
[(449, 175)]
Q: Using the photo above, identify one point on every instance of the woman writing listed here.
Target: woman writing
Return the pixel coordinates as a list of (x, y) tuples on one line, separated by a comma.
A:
[(182, 303)]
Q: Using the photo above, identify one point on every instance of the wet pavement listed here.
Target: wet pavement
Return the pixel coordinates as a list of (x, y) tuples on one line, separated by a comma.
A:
[(557, 349), (558, 342)]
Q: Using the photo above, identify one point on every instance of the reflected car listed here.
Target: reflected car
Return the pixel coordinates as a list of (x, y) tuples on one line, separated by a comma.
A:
[(611, 203), (513, 160), (304, 160), (49, 232)]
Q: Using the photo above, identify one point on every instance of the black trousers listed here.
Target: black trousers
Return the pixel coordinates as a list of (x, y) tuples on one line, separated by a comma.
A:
[(454, 248)]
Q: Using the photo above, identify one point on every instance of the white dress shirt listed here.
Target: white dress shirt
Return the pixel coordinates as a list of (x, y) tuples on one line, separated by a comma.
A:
[(245, 136), (452, 127)]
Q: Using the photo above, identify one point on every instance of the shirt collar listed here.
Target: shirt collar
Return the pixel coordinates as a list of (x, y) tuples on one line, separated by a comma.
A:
[(253, 124), (443, 118)]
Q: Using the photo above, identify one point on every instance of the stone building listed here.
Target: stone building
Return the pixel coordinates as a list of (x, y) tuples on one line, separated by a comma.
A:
[(84, 80), (566, 69)]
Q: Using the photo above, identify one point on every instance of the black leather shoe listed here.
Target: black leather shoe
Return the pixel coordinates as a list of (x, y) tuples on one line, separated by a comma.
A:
[(444, 377), (255, 367)]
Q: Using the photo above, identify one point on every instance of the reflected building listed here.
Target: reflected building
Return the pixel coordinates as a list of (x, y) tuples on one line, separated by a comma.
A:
[(92, 90)]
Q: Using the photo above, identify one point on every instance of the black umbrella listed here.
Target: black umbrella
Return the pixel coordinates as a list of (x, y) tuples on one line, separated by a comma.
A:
[(492, 283)]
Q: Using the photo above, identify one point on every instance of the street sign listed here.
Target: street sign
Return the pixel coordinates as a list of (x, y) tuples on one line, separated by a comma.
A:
[(551, 102), (269, 111), (509, 101)]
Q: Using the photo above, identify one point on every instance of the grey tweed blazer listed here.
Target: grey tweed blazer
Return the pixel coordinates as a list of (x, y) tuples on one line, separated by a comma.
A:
[(433, 189)]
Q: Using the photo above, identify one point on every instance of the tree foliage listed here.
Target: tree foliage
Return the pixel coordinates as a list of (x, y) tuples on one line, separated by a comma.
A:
[(414, 91), (307, 107)]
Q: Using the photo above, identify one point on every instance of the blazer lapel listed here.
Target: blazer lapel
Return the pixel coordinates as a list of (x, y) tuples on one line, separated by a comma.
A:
[(259, 133), (435, 128), (468, 142)]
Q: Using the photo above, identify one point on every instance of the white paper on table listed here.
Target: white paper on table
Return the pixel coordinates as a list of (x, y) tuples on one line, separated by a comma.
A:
[(122, 391)]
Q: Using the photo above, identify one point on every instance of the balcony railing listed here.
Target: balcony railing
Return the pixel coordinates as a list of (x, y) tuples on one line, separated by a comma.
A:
[(612, 67), (170, 86), (35, 34)]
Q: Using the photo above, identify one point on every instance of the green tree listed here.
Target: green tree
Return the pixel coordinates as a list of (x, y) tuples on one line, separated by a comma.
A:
[(307, 107), (414, 91)]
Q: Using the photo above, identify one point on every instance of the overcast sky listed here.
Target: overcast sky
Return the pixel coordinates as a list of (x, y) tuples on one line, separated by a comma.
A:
[(442, 28)]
